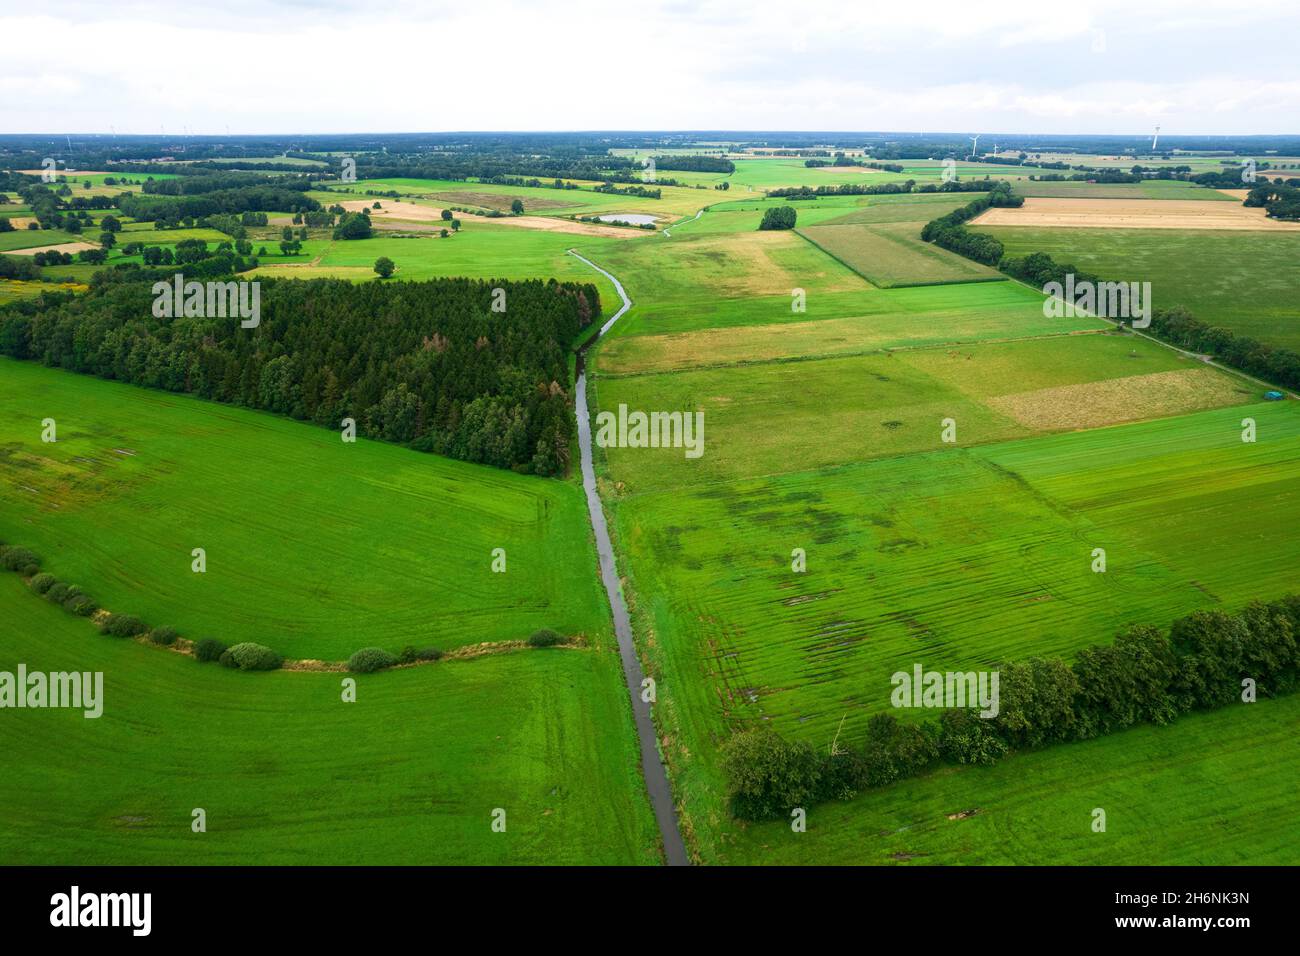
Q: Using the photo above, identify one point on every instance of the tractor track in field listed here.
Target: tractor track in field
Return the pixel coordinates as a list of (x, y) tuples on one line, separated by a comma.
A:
[(652, 764)]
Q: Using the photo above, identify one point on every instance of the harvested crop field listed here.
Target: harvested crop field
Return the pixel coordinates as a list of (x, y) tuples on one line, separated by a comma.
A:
[(499, 201), (395, 213), (57, 247), (1133, 214), (1093, 404)]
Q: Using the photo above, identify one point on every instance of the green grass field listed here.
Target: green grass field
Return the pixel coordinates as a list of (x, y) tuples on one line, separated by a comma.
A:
[(891, 254), (871, 320), (674, 200), (772, 417), (1151, 189), (959, 559), (1213, 789), (314, 547), (479, 251), (289, 774), (33, 238), (1244, 281), (824, 432)]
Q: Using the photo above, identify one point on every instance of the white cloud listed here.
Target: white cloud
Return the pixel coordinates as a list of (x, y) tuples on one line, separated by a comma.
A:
[(347, 66)]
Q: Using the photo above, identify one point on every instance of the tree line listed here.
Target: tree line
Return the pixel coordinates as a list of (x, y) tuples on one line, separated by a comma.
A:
[(211, 182), (950, 232), (1280, 200), (695, 164), (1208, 659), (908, 186), (427, 364), (173, 209)]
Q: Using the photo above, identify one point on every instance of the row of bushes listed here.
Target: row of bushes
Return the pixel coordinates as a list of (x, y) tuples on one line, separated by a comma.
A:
[(371, 659), (1145, 676), (1176, 326), (247, 656), (949, 231)]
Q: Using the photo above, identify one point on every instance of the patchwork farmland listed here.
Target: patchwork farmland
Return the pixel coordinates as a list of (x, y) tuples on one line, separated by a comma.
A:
[(396, 481)]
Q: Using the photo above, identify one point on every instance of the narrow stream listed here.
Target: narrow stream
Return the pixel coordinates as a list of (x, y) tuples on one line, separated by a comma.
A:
[(656, 776)]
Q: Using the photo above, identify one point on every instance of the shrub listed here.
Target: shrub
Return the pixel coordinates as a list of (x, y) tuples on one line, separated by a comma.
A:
[(81, 605), (163, 635), (249, 656), (767, 777), (209, 649), (895, 750), (122, 625), (58, 592), (19, 559), (778, 217), (546, 638), (43, 582), (966, 737), (411, 654), (370, 659)]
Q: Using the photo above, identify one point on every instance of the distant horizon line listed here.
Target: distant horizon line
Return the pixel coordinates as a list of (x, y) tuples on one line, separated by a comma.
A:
[(112, 134)]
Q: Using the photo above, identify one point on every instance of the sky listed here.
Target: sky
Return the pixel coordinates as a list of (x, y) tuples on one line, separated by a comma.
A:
[(1195, 67)]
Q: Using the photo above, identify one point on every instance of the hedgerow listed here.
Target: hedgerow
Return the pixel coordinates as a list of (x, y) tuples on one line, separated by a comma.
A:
[(1207, 660)]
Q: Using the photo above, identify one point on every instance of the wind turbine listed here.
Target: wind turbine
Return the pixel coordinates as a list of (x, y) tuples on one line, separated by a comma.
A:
[(1154, 138), (974, 145)]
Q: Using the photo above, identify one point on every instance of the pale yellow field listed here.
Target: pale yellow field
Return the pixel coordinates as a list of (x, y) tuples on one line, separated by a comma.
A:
[(60, 246), (1134, 214), (1116, 400), (397, 210)]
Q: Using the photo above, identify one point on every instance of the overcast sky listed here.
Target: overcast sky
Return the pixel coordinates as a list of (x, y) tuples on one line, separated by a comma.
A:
[(295, 66)]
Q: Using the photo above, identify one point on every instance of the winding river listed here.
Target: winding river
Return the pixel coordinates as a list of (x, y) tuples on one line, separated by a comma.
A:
[(652, 767)]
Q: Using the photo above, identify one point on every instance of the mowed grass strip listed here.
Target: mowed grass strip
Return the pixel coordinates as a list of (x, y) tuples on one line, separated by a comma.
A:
[(289, 774), (313, 546), (892, 254)]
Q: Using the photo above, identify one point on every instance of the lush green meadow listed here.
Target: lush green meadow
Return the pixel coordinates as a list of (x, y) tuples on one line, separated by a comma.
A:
[(956, 556), (313, 546), (835, 324), (1240, 280), (290, 774), (479, 250), (773, 417), (957, 559), (35, 238), (891, 254), (1150, 189), (832, 363), (1214, 789)]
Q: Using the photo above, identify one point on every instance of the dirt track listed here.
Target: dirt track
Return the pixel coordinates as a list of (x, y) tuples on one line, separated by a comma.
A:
[(1134, 214)]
